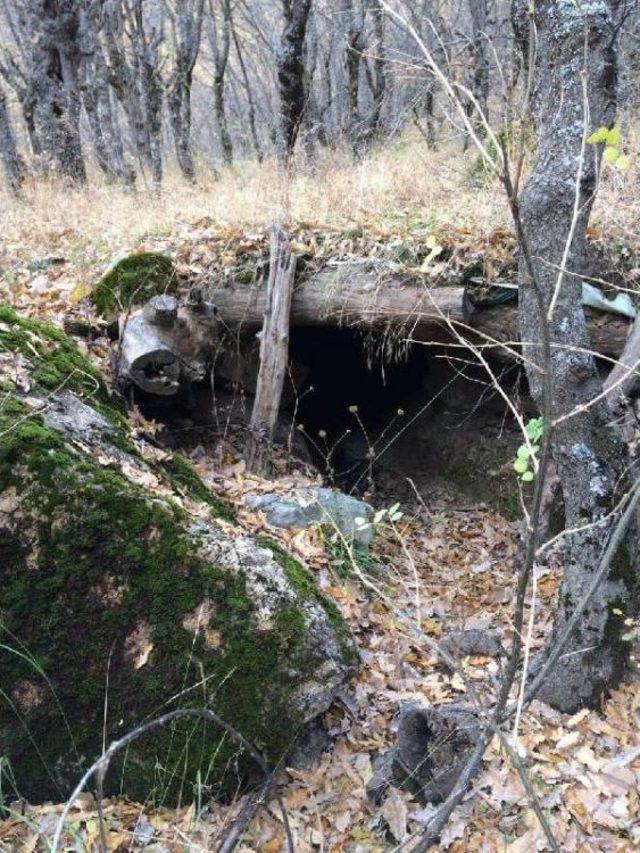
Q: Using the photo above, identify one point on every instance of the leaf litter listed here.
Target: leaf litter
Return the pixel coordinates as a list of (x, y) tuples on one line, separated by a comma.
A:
[(456, 570)]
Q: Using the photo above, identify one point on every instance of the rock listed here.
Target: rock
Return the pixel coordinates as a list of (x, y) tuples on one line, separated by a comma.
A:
[(305, 507), (432, 747), (133, 280), (476, 641), (66, 413), (110, 589)]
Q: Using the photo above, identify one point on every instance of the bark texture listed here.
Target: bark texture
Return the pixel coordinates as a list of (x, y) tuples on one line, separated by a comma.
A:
[(274, 345), (589, 455), (11, 160), (54, 61), (220, 41), (186, 29), (290, 67), (350, 294)]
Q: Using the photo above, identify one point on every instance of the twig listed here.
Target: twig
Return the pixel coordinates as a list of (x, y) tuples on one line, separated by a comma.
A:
[(101, 765)]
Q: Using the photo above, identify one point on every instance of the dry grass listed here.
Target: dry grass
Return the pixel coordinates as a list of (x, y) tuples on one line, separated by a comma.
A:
[(381, 190), (385, 193)]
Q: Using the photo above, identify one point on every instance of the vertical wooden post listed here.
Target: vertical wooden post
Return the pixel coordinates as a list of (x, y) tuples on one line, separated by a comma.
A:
[(274, 348)]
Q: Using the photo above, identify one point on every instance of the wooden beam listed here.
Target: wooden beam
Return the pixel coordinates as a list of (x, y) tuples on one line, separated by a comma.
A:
[(348, 295)]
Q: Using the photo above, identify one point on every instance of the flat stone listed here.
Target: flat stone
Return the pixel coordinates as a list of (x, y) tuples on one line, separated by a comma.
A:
[(303, 508)]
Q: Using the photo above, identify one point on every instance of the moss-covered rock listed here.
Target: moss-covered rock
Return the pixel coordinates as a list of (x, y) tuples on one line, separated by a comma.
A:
[(117, 605), (133, 280), (184, 477)]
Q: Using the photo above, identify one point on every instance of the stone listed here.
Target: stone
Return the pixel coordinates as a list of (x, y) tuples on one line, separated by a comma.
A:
[(475, 641), (304, 508), (432, 747), (109, 583)]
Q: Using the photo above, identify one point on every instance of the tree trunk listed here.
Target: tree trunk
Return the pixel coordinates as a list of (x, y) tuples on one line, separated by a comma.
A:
[(480, 58), (11, 160), (186, 22), (353, 48), (220, 42), (94, 86), (290, 67), (376, 69), (589, 455), (274, 347), (55, 59), (179, 104), (251, 107)]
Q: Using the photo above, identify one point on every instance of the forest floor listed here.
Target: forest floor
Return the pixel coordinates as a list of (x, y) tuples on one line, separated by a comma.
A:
[(445, 565)]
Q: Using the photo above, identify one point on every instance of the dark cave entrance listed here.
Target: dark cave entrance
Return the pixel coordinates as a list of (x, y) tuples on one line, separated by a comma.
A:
[(405, 419), (371, 417)]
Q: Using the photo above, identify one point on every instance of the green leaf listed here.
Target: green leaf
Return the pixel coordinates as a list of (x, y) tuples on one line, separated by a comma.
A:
[(623, 162), (614, 137), (527, 477), (524, 452), (600, 135), (533, 429), (611, 154), (521, 466)]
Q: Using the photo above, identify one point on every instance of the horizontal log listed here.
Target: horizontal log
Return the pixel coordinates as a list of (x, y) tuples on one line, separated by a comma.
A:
[(348, 295), (165, 346), (608, 332), (359, 295)]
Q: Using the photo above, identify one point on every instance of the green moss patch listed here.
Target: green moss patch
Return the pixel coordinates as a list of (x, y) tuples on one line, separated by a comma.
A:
[(103, 587), (57, 362), (133, 280), (184, 478), (302, 580), (111, 560)]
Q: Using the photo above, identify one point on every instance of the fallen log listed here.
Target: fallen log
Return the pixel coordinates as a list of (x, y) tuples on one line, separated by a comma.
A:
[(608, 332), (359, 295), (166, 345), (350, 295)]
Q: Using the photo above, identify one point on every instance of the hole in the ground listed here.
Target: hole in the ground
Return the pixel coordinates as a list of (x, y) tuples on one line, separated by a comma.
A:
[(427, 414), (425, 418)]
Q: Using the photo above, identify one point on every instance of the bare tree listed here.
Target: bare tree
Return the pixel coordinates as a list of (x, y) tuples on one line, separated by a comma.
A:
[(480, 65), (354, 44), (16, 69), (248, 91), (48, 33), (132, 45), (186, 31), (11, 160), (97, 98), (375, 67), (290, 68), (219, 34)]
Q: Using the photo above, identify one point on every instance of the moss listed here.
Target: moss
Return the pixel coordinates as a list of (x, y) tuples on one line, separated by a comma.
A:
[(94, 556), (246, 274), (302, 580), (184, 478), (93, 525), (133, 281), (57, 362), (342, 560)]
